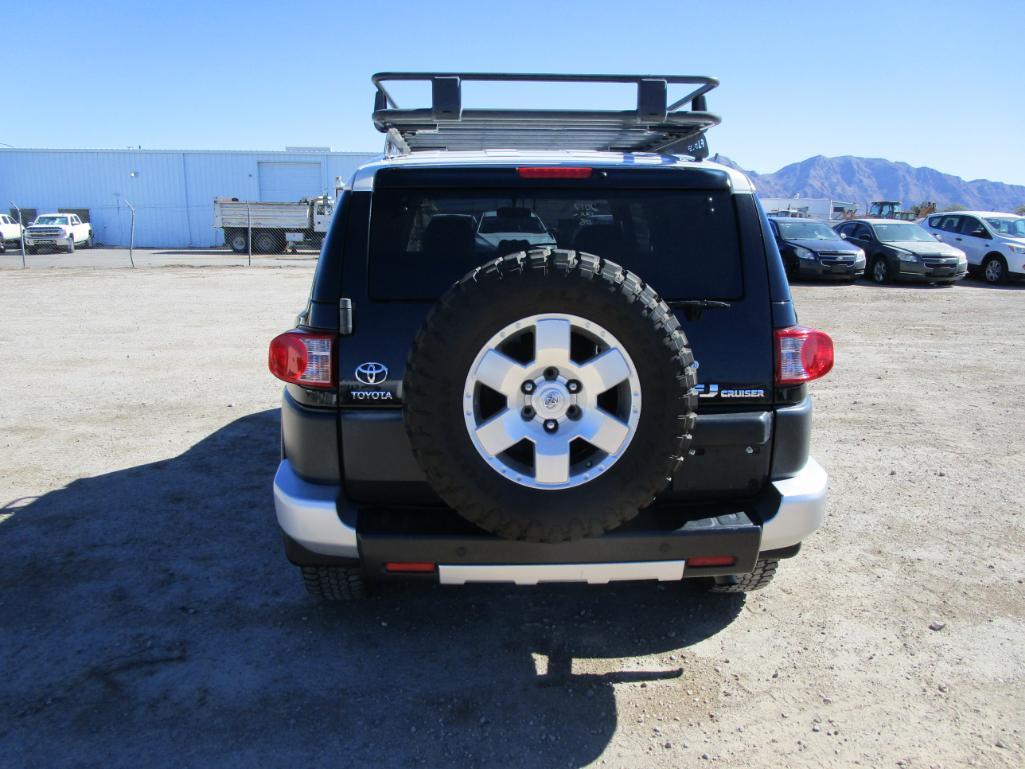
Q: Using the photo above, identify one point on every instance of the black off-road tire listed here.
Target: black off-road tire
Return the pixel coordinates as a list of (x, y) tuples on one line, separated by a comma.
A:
[(762, 575), (503, 292), (334, 583)]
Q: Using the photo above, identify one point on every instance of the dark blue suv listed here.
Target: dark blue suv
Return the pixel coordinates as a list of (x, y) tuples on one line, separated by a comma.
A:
[(626, 400)]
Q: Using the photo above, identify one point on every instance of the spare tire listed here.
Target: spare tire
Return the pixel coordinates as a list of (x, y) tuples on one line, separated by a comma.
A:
[(523, 396)]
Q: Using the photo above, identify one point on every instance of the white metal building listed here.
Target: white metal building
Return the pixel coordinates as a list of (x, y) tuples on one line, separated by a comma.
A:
[(814, 208), (172, 190)]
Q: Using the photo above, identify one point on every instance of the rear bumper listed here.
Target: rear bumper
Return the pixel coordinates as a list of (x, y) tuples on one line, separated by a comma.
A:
[(322, 527)]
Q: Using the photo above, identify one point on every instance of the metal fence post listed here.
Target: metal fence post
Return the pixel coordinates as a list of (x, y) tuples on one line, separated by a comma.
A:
[(131, 236), (21, 228), (249, 233)]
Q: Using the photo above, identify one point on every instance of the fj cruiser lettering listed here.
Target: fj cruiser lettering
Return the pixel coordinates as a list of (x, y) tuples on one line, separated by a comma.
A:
[(497, 375)]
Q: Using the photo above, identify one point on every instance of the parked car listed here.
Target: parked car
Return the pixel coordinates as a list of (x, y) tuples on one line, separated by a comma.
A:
[(457, 415), (519, 226), (810, 249), (993, 242), (10, 232), (903, 251), (54, 230)]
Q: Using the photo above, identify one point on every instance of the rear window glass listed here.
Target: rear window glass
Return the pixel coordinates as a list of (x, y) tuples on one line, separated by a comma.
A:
[(683, 242)]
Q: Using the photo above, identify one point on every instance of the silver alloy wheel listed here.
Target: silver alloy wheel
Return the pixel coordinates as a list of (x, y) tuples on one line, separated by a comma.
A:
[(994, 270), (879, 270), (551, 401)]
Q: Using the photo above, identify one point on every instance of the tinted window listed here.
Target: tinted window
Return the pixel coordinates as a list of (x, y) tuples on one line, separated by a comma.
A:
[(972, 226), (510, 220), (950, 223), (862, 232), (683, 242)]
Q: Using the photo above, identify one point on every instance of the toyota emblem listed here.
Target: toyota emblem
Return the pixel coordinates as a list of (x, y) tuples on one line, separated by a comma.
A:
[(371, 373)]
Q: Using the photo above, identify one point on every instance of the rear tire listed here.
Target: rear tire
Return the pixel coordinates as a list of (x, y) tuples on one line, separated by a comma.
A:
[(33, 249), (265, 242), (334, 583), (508, 499), (762, 575), (994, 270)]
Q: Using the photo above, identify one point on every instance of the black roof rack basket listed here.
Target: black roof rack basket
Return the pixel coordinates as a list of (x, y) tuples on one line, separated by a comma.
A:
[(655, 126)]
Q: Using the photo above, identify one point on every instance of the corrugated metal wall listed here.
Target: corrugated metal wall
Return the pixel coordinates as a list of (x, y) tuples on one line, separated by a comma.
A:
[(172, 192)]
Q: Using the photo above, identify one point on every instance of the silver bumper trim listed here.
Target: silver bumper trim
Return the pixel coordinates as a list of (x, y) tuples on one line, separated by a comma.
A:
[(535, 573), (308, 513), (801, 509)]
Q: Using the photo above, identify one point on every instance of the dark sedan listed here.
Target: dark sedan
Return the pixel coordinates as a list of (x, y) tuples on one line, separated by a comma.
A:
[(811, 250), (904, 251)]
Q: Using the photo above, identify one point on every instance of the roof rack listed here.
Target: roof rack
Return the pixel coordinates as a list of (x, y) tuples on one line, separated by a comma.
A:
[(655, 126)]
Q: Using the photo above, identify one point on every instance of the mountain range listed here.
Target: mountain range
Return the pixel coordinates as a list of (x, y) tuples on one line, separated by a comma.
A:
[(861, 180)]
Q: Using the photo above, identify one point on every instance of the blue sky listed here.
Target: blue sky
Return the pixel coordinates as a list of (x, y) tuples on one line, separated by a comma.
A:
[(930, 83)]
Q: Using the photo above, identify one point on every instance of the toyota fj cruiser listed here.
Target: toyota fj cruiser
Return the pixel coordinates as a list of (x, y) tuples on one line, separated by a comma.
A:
[(461, 408)]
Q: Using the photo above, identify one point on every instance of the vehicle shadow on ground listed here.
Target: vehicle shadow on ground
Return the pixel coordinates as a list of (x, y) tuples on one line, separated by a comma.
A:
[(148, 618)]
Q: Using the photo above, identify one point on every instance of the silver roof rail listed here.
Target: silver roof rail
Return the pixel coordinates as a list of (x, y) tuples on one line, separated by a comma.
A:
[(655, 126)]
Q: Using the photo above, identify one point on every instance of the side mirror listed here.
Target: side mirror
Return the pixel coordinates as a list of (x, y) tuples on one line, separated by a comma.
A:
[(843, 236)]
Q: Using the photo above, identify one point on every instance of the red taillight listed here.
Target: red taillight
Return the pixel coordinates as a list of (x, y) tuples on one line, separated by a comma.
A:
[(408, 567), (710, 560), (302, 358), (553, 172), (802, 354)]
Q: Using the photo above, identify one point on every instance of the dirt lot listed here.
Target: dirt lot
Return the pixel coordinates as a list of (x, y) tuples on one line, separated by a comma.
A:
[(148, 618)]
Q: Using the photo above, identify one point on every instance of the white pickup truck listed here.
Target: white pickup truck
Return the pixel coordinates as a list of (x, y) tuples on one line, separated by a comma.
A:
[(10, 232), (58, 230), (274, 226)]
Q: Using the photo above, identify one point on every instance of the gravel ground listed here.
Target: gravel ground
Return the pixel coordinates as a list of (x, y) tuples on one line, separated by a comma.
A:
[(148, 617)]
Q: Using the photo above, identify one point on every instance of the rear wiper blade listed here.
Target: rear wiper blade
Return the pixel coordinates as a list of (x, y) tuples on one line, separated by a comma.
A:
[(692, 308)]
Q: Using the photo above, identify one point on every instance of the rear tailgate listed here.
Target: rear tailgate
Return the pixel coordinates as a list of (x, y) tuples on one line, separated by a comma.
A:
[(678, 229)]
